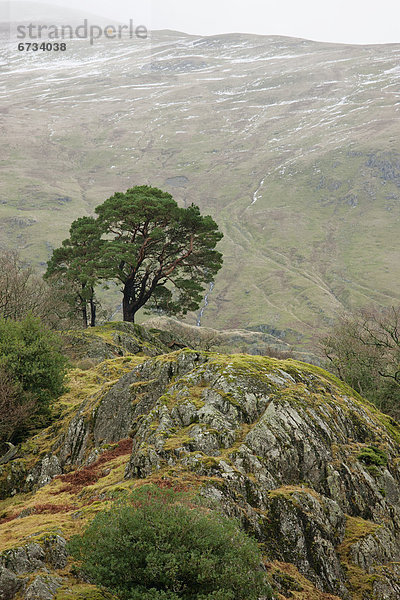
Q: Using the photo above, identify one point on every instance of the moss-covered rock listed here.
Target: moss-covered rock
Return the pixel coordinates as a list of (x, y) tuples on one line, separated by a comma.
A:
[(283, 446), (303, 428), (115, 339)]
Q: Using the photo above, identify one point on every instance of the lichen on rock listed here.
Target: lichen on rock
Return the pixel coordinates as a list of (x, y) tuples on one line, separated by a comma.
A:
[(305, 464)]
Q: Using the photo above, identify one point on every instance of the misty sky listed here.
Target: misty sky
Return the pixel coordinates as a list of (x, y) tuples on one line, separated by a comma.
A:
[(349, 21)]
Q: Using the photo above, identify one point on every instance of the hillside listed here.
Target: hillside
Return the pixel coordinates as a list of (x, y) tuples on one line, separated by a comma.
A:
[(306, 465), (229, 341), (291, 145)]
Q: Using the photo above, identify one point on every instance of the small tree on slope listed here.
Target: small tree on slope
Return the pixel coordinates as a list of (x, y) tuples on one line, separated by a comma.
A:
[(77, 262)]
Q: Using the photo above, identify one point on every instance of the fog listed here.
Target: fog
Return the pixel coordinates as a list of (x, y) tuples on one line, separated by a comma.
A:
[(347, 21)]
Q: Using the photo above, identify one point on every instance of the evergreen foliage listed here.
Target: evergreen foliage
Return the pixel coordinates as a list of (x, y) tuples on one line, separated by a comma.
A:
[(163, 255), (160, 546), (33, 369), (77, 262)]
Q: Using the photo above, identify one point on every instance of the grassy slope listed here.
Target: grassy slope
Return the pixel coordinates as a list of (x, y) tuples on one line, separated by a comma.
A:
[(317, 123)]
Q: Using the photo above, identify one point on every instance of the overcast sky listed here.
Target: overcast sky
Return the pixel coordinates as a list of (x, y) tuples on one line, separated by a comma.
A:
[(349, 21)]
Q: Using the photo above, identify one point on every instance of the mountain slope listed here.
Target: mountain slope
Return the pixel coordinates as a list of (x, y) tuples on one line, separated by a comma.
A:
[(291, 145), (307, 466)]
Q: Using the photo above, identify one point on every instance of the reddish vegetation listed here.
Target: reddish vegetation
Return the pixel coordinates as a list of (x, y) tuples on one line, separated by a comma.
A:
[(123, 447), (9, 518), (89, 475), (39, 509), (79, 479), (52, 509), (172, 485)]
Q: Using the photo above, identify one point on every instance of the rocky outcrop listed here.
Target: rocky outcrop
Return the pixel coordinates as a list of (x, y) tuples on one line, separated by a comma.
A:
[(43, 587), (385, 165), (290, 452), (94, 350), (307, 466), (10, 584), (17, 564), (136, 394), (263, 340), (115, 339), (114, 414), (49, 550)]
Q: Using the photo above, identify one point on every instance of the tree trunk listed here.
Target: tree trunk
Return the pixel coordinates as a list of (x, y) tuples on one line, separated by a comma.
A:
[(92, 313), (83, 303), (129, 306), (84, 316), (128, 310), (134, 300)]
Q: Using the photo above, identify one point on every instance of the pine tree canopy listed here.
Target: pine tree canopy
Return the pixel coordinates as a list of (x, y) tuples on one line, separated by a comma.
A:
[(162, 254)]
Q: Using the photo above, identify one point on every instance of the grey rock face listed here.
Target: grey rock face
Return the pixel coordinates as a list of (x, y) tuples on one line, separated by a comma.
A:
[(13, 476), (48, 553), (10, 584), (46, 470), (25, 559), (136, 393), (44, 587), (54, 547), (73, 446), (279, 445), (305, 530), (285, 447)]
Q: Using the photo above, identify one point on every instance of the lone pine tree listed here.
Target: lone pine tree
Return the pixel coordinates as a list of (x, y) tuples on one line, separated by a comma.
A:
[(163, 255)]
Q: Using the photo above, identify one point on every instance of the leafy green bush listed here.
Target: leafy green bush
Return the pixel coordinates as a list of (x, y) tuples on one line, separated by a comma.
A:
[(31, 358), (159, 546)]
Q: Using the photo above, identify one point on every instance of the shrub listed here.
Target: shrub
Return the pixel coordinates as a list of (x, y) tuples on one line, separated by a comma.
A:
[(15, 407), (363, 349), (30, 357), (22, 291), (160, 546)]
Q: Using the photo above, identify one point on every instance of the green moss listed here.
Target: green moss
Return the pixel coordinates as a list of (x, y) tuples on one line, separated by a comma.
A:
[(209, 462), (286, 583), (287, 491), (179, 439), (371, 455), (374, 471), (356, 529), (391, 426), (298, 587), (229, 397), (244, 364), (361, 583), (194, 396), (82, 591)]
